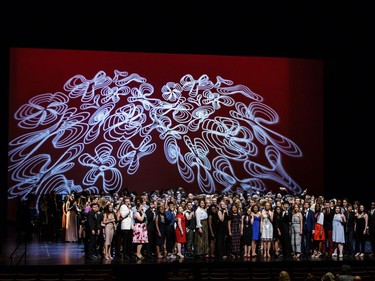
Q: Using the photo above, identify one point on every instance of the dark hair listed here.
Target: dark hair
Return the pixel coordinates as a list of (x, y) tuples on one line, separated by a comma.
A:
[(94, 204)]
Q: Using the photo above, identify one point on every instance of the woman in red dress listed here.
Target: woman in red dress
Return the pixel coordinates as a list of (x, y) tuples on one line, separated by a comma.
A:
[(180, 230)]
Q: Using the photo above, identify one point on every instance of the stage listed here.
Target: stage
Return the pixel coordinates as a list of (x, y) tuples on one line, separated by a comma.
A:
[(63, 260)]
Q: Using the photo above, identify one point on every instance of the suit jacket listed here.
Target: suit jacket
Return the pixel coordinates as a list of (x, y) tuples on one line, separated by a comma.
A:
[(350, 220), (93, 222), (285, 220), (309, 221), (371, 220), (150, 215)]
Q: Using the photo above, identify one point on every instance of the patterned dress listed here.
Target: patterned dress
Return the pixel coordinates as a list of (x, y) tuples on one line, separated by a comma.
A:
[(295, 234), (140, 234), (235, 239)]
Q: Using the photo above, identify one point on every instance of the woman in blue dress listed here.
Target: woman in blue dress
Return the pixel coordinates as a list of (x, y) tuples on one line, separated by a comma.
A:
[(255, 213), (338, 231)]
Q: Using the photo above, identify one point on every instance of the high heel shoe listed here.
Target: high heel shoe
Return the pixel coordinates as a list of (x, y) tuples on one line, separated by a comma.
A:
[(139, 257)]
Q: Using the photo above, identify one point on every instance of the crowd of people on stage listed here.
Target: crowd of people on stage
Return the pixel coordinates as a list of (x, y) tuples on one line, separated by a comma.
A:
[(174, 223)]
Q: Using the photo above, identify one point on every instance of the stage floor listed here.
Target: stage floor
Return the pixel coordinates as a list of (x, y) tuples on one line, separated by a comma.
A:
[(46, 255), (59, 253)]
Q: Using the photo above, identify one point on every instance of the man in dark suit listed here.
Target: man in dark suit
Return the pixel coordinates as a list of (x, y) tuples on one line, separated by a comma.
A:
[(285, 221), (308, 228), (349, 230), (93, 230), (151, 229), (371, 227)]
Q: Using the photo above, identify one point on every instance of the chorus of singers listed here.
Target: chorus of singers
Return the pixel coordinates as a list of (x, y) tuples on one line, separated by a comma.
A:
[(175, 224)]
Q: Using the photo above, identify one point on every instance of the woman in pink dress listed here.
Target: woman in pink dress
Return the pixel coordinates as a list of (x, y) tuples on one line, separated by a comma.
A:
[(109, 221), (71, 232), (63, 218), (140, 235), (180, 230)]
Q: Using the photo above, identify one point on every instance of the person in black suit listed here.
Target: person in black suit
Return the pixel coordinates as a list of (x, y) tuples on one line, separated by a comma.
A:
[(328, 220), (349, 230), (371, 227), (285, 221), (308, 228), (93, 230), (151, 229)]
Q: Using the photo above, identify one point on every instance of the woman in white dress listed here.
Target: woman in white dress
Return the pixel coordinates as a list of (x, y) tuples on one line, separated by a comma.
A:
[(266, 227)]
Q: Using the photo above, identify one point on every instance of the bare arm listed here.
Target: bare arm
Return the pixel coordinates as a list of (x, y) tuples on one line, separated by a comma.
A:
[(210, 225), (179, 225)]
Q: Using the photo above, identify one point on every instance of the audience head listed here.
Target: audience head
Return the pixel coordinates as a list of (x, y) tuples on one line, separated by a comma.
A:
[(328, 277), (284, 276)]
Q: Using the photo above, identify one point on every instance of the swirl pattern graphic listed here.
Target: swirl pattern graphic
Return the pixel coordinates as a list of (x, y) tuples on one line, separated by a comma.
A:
[(210, 136)]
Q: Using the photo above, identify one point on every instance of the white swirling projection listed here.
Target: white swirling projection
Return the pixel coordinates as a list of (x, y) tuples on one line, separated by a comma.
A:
[(207, 134)]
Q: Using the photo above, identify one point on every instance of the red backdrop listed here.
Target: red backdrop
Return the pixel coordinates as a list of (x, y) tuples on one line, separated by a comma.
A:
[(292, 88)]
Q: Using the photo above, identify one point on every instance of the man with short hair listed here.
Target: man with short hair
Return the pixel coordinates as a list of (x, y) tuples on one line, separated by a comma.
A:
[(126, 215), (285, 221), (92, 231)]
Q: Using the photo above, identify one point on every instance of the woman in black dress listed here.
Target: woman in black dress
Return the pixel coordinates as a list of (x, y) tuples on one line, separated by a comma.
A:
[(360, 228), (247, 232), (277, 238)]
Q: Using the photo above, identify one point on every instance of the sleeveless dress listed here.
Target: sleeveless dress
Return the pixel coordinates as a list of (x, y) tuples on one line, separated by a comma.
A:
[(256, 228), (162, 228), (338, 231), (181, 238), (140, 234), (247, 235), (267, 228), (235, 239), (71, 232), (109, 230), (295, 234)]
